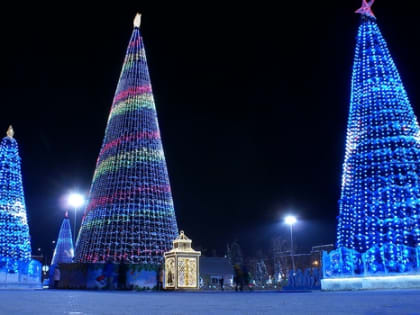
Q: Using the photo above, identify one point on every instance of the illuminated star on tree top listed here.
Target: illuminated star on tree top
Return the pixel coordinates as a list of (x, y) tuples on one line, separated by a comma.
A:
[(365, 9)]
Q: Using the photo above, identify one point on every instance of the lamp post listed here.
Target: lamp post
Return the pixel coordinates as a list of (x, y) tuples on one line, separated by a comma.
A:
[(290, 220), (75, 200)]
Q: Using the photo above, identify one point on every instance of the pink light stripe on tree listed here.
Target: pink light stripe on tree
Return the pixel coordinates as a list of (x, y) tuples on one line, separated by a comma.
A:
[(135, 42), (140, 135), (132, 92), (122, 195)]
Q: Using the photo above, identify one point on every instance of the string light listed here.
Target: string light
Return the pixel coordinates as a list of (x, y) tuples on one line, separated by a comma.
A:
[(64, 251), (379, 223), (15, 243), (130, 214)]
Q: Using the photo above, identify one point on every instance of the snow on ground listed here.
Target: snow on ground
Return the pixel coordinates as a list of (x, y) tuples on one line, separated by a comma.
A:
[(71, 302)]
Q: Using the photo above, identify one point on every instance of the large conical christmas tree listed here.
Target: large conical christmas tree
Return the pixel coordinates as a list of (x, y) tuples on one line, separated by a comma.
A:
[(14, 230), (64, 250), (130, 214), (380, 197)]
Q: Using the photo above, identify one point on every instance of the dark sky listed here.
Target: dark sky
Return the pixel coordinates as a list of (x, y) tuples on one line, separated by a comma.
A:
[(252, 102)]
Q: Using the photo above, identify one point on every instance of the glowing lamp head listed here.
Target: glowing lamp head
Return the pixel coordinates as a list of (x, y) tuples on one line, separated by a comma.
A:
[(290, 220), (75, 200)]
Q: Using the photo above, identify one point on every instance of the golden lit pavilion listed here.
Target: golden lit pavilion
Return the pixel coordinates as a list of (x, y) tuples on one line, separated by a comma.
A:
[(182, 265)]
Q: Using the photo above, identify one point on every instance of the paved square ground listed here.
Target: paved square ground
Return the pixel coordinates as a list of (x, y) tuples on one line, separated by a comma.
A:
[(53, 302)]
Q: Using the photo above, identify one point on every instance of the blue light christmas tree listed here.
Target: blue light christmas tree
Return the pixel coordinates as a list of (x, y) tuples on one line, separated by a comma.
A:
[(379, 222), (130, 213), (14, 231), (64, 251)]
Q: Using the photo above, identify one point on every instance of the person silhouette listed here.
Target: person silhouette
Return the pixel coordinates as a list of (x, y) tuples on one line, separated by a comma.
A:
[(122, 274), (57, 276), (109, 274)]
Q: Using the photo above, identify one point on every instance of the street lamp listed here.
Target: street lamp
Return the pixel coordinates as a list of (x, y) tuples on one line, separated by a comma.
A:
[(290, 220), (75, 200)]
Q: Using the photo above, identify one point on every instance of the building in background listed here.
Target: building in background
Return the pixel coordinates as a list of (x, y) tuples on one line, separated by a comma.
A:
[(212, 269), (316, 253)]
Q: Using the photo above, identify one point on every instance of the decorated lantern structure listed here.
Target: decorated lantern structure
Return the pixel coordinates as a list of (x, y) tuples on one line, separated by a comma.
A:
[(182, 265)]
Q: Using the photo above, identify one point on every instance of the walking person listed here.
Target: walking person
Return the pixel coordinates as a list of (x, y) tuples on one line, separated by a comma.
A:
[(109, 274), (246, 278), (122, 275), (222, 281), (161, 276), (238, 278), (57, 276)]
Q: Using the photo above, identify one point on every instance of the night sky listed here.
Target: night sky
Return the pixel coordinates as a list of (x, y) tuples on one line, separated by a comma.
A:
[(252, 102)]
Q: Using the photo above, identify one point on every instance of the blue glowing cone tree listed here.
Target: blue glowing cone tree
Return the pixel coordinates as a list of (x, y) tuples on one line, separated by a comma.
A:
[(130, 213), (64, 250), (14, 231), (379, 221)]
